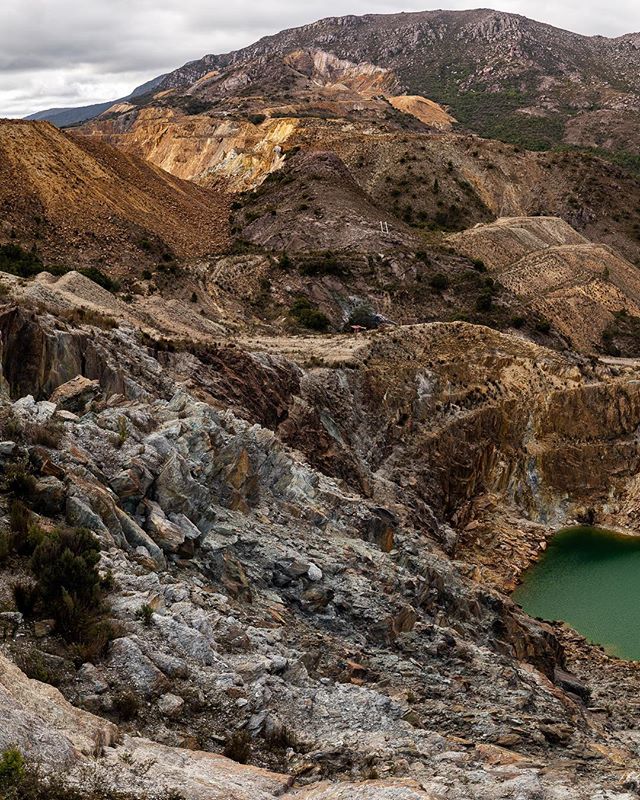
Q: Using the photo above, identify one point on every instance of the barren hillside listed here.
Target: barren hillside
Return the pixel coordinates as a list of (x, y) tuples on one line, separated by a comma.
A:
[(78, 200)]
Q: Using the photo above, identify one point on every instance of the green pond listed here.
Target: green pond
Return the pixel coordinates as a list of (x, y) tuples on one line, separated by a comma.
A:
[(590, 578)]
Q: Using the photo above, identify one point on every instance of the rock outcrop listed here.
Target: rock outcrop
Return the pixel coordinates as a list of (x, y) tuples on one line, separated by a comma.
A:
[(578, 286)]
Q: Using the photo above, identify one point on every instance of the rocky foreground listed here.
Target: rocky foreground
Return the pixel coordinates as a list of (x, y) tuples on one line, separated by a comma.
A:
[(306, 556)]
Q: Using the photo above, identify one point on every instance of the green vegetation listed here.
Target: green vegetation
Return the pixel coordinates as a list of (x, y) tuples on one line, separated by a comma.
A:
[(630, 162), (326, 263), (364, 316), (64, 565), (439, 282), (306, 314), (16, 261), (145, 615), (484, 301), (27, 264), (20, 780), (11, 768)]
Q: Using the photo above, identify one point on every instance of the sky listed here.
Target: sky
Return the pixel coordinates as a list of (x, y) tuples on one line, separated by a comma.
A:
[(75, 52)]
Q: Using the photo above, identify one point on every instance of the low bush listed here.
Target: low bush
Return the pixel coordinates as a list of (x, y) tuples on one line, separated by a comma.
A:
[(309, 316), (145, 614), (326, 263), (126, 705), (365, 317), (19, 481), (12, 768), (16, 261), (25, 596), (484, 301), (439, 282)]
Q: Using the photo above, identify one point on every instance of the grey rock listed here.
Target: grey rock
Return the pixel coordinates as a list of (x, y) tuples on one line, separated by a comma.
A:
[(142, 675)]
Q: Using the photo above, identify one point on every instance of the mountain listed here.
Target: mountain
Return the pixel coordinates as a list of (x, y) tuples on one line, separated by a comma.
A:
[(503, 75), (77, 200), (65, 117)]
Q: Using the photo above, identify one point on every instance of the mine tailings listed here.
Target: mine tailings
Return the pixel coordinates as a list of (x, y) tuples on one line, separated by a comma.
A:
[(589, 578)]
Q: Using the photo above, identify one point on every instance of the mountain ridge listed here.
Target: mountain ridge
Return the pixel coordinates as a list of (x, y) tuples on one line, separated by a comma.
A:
[(457, 58)]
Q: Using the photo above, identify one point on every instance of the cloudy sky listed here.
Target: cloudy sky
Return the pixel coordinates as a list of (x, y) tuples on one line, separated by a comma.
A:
[(74, 52)]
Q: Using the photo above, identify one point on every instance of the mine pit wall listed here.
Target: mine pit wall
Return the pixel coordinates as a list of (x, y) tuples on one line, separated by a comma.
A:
[(38, 354), (573, 450), (550, 455)]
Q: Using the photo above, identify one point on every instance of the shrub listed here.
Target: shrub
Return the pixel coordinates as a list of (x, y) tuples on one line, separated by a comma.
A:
[(25, 596), (26, 543), (68, 581), (439, 282), (543, 326), (484, 301), (285, 262), (94, 640), (308, 316), (145, 614), (238, 747), (126, 705), (19, 517), (364, 316), (257, 119), (11, 768), (20, 482), (16, 261), (123, 430), (6, 546), (518, 322), (479, 265), (326, 263)]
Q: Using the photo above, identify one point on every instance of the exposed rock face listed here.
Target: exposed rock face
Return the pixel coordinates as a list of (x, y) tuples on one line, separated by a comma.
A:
[(339, 215), (65, 734), (577, 285), (310, 613), (556, 70)]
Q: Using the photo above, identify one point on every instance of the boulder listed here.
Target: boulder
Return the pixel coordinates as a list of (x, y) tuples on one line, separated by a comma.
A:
[(50, 495), (169, 536), (142, 675), (75, 395)]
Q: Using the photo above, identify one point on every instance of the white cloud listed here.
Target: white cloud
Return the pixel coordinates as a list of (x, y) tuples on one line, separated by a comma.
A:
[(65, 52)]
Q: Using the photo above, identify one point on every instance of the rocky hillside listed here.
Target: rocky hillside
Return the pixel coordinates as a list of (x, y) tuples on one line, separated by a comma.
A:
[(297, 377), (76, 200), (503, 75), (577, 285), (319, 612)]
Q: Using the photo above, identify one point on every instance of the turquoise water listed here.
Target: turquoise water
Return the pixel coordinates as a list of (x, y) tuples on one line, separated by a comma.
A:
[(589, 578)]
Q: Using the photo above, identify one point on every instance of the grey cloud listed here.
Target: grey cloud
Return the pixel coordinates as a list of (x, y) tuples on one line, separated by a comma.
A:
[(65, 52)]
